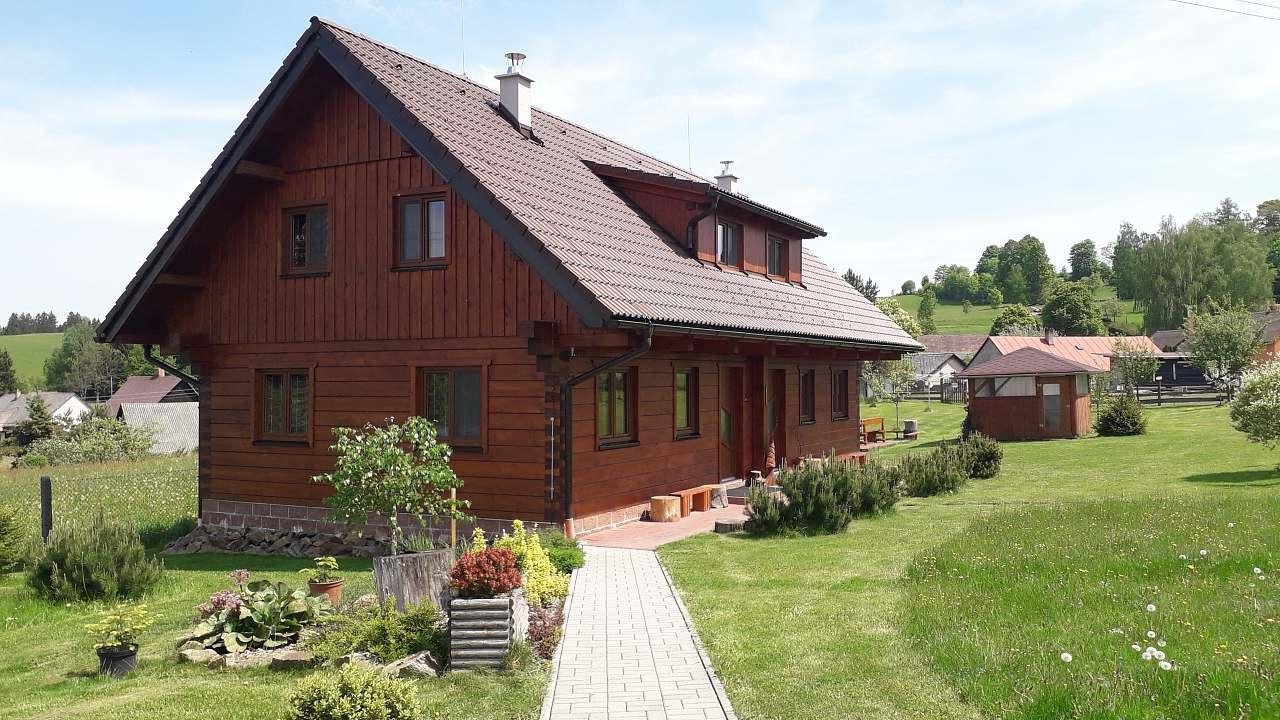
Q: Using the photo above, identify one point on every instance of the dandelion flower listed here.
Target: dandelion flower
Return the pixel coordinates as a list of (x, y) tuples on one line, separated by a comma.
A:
[(1257, 571), (1066, 657), (1147, 654), (1136, 647), (1166, 665), (1159, 654), (1151, 634), (1204, 553), (1151, 607), (1160, 642), (1183, 556)]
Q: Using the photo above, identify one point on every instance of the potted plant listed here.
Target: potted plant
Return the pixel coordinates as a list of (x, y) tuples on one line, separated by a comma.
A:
[(392, 470), (116, 632), (323, 579)]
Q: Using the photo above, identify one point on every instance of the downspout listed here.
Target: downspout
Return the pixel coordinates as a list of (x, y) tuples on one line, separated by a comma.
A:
[(169, 367), (690, 233), (566, 413)]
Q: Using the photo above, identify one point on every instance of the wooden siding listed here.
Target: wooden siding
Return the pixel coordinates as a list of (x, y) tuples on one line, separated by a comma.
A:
[(1020, 417)]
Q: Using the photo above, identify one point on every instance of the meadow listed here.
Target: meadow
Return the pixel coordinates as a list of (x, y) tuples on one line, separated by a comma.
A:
[(961, 605), (951, 318), (29, 353)]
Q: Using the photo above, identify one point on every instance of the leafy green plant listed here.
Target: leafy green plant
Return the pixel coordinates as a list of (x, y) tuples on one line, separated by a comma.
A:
[(984, 456), (1255, 410), (352, 692), (119, 628), (381, 630), (944, 469), (542, 581), (325, 570), (103, 560), (388, 470), (11, 538), (1120, 415), (259, 614), (419, 542), (33, 460), (822, 497), (546, 625), (519, 659), (565, 552)]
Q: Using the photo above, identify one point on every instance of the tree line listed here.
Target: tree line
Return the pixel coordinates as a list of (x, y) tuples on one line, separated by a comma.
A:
[(42, 322)]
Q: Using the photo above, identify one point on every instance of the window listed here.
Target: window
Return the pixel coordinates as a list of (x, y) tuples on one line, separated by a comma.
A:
[(686, 397), (420, 231), (839, 394), (616, 407), (284, 405), (453, 400), (807, 414), (1015, 387), (777, 256), (306, 232), (728, 243)]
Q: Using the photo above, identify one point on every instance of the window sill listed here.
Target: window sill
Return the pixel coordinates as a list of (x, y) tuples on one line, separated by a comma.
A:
[(616, 444), (437, 265), (839, 418), (688, 435), (303, 274), (809, 422), (282, 442)]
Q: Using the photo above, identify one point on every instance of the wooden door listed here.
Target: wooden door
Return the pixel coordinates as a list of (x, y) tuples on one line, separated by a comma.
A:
[(776, 418), (1053, 406), (731, 428)]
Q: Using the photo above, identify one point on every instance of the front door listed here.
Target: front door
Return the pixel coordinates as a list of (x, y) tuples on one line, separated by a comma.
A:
[(775, 418), (730, 421), (1052, 406)]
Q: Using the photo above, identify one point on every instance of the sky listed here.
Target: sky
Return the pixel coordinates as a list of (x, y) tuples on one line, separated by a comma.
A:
[(916, 133)]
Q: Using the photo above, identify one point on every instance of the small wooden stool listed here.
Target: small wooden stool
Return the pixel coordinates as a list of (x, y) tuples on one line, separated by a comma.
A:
[(664, 508)]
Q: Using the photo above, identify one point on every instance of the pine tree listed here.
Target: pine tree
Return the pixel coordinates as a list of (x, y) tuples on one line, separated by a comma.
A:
[(928, 305), (8, 378), (39, 423)]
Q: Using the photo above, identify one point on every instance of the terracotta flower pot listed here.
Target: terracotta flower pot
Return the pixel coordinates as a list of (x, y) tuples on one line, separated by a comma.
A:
[(117, 662), (332, 589)]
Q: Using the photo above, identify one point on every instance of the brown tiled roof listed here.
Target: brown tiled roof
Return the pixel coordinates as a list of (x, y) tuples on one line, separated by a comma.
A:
[(1168, 339), (1091, 351), (1027, 361), (958, 344), (608, 261), (142, 389)]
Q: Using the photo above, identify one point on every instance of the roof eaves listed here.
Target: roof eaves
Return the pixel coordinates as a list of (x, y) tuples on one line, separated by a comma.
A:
[(722, 331), (747, 203)]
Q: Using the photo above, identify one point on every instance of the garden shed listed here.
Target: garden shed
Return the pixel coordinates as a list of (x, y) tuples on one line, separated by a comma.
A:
[(1029, 394)]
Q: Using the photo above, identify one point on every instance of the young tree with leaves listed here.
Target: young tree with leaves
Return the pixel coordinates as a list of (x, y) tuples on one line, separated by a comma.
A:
[(900, 316), (925, 313), (908, 287), (1072, 310), (1084, 260), (1132, 366), (1224, 340), (1255, 410), (1015, 320), (890, 379)]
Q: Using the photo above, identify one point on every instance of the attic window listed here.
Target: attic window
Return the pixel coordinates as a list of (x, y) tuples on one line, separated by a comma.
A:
[(729, 243), (777, 256), (306, 240), (420, 231)]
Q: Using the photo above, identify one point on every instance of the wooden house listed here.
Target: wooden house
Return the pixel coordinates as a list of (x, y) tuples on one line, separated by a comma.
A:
[(1030, 394), (588, 326)]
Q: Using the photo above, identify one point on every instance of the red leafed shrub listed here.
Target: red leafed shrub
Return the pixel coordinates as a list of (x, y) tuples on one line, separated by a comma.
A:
[(545, 626), (485, 573)]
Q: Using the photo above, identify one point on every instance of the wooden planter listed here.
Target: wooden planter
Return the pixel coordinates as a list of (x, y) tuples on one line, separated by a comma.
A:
[(414, 578), (481, 630)]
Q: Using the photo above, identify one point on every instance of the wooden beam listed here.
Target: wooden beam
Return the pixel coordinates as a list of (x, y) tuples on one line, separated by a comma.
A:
[(260, 170), (192, 281)]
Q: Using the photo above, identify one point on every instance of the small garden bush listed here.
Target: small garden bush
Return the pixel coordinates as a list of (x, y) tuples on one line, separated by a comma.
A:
[(984, 456), (11, 538), (104, 560), (541, 581), (1121, 415), (565, 552), (546, 623), (96, 439), (485, 573), (383, 631), (258, 614), (822, 497), (944, 469), (350, 693)]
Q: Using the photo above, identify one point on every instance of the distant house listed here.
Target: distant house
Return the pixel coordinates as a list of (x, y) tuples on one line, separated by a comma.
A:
[(1030, 393), (964, 346), (64, 406), (157, 388), (936, 368), (1170, 340), (175, 426), (1092, 351)]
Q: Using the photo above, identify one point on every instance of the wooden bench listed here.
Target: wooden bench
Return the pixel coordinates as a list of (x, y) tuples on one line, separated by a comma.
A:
[(698, 498), (873, 429)]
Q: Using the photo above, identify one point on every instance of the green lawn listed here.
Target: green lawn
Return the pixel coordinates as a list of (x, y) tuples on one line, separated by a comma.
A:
[(952, 319), (48, 668), (862, 624), (29, 353)]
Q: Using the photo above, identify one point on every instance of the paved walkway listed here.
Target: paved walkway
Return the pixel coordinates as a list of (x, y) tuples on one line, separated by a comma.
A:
[(628, 651), (642, 535)]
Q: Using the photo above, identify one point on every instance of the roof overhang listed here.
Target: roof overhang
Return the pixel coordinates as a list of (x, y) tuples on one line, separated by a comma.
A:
[(792, 338)]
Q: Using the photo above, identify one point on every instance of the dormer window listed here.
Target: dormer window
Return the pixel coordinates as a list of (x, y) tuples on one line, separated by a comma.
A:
[(729, 243), (777, 256)]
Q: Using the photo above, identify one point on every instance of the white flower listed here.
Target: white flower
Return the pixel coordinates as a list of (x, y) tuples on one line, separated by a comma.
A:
[(1204, 553), (1136, 647), (1151, 607), (1257, 571), (1066, 657), (1151, 634), (1160, 642), (1146, 654), (1231, 524), (1183, 556), (1159, 654), (1166, 665)]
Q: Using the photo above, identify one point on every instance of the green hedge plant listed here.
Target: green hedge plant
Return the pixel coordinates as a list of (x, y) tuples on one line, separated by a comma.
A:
[(381, 630), (259, 614), (822, 497), (1121, 415), (352, 692), (101, 561)]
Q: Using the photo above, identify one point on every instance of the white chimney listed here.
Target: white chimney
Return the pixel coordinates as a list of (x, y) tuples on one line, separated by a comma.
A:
[(514, 88), (726, 179)]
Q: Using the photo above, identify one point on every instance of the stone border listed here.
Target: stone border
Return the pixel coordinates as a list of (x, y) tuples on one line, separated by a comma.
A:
[(716, 685)]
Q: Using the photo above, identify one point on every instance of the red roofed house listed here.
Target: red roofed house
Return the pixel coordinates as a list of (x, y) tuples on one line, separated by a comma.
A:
[(381, 238), (1030, 394), (1094, 351), (158, 388)]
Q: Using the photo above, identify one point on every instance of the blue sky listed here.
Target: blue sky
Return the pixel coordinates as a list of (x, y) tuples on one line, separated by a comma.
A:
[(916, 133)]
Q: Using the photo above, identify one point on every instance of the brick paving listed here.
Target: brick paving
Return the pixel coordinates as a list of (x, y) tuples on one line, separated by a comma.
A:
[(649, 535), (628, 651)]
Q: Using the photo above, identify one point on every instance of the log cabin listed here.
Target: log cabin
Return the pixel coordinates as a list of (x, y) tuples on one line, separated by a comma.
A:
[(586, 325)]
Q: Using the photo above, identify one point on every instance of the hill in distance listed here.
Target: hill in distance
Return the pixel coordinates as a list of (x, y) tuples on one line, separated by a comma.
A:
[(29, 353)]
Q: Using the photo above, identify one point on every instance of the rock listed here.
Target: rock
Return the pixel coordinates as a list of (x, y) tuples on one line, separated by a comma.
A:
[(248, 659), (418, 665), (201, 656), (368, 601), (189, 644), (292, 659), (359, 659)]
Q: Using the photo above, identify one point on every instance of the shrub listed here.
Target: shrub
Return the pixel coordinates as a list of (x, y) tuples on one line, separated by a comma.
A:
[(352, 692), (1121, 415), (542, 581), (546, 623), (519, 659), (943, 470), (822, 497), (565, 552), (94, 440), (485, 573), (104, 560), (984, 457), (383, 631), (259, 614), (11, 538), (33, 460)]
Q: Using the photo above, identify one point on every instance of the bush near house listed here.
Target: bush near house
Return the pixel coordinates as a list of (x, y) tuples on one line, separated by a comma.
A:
[(565, 552), (381, 630), (104, 560), (822, 497), (350, 693)]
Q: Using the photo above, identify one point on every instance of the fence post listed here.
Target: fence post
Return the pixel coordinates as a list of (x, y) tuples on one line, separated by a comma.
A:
[(46, 507)]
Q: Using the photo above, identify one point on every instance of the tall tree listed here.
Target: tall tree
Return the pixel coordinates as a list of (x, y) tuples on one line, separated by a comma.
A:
[(908, 287), (1015, 320), (1123, 255), (925, 313), (1072, 310), (956, 283), (39, 424), (1084, 260), (82, 365), (1024, 272), (1132, 365), (1267, 224), (1224, 341), (868, 287), (1226, 213), (989, 262), (8, 378)]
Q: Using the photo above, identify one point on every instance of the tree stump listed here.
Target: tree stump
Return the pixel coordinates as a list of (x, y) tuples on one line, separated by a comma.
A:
[(664, 508), (414, 578)]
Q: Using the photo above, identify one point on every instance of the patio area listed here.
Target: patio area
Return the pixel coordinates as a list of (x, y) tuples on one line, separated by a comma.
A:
[(644, 535)]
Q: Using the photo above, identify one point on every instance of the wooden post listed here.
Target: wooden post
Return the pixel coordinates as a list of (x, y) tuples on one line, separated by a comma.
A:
[(46, 507), (453, 520)]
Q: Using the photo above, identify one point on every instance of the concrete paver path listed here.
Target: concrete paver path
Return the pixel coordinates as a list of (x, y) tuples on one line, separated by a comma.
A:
[(628, 650)]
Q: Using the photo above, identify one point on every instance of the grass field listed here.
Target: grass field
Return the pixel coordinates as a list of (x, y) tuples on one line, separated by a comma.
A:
[(877, 622), (48, 669), (29, 353), (953, 320)]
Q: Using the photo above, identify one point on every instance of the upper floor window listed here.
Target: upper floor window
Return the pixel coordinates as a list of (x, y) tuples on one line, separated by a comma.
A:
[(728, 243), (807, 414), (306, 240), (839, 394), (284, 405), (616, 407), (453, 400), (420, 231), (777, 256), (686, 398)]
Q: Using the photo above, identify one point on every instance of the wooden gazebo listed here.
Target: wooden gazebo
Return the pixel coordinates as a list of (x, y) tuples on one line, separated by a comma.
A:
[(1029, 394)]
